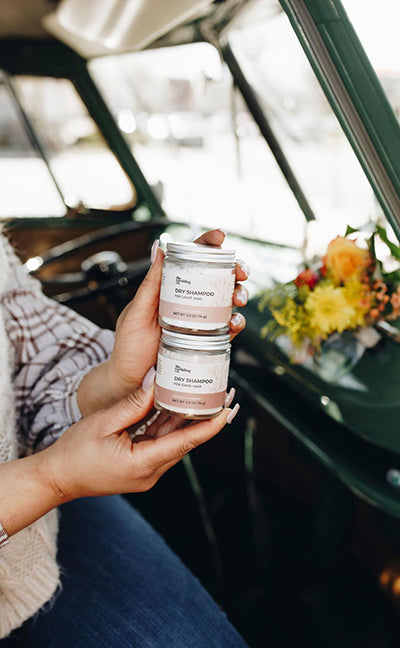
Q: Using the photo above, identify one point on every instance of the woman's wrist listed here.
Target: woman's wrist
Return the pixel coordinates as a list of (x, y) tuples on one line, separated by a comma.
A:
[(26, 494), (47, 477)]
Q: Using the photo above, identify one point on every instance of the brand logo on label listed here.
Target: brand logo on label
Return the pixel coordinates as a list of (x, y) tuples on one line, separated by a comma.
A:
[(179, 369), (179, 281)]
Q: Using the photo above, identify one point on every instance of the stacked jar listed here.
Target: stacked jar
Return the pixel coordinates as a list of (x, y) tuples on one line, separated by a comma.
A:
[(195, 309)]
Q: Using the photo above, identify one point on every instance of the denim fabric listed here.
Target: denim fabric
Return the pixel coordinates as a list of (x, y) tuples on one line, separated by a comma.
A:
[(122, 587)]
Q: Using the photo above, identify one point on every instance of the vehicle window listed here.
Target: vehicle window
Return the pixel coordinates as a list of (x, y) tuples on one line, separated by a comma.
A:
[(311, 137), (26, 185), (378, 27), (85, 168), (190, 130), (175, 107)]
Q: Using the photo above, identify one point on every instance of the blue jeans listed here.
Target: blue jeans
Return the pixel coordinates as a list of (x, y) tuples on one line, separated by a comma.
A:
[(122, 587)]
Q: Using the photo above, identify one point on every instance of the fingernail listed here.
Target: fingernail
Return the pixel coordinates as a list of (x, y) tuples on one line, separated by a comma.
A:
[(244, 267), (224, 232), (154, 248), (241, 296), (233, 413), (229, 398), (236, 320), (149, 378)]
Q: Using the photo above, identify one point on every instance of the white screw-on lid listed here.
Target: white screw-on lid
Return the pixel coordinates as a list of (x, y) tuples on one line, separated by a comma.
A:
[(201, 253), (196, 342)]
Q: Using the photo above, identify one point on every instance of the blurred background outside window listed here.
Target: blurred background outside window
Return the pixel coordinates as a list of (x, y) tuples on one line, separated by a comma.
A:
[(84, 167), (191, 130), (25, 184), (193, 136)]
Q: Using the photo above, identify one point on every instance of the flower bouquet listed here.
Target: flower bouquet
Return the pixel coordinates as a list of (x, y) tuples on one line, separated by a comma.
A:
[(343, 292)]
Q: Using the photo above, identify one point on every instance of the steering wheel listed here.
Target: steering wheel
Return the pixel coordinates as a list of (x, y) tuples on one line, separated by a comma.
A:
[(102, 273)]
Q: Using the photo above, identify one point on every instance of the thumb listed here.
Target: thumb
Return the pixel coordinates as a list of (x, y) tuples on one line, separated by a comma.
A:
[(148, 293), (133, 407)]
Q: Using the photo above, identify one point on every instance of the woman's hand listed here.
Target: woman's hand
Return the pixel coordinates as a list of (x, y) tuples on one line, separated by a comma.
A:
[(138, 331), (97, 456)]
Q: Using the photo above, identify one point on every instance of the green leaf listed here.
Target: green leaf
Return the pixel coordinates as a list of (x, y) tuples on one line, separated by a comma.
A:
[(350, 230), (392, 277), (394, 249), (368, 227), (371, 245)]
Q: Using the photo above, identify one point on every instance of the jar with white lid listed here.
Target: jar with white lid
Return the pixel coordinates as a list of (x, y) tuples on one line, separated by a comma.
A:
[(197, 288), (192, 374)]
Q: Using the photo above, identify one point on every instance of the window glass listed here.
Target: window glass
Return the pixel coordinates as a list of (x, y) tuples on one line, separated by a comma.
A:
[(85, 168), (188, 130), (26, 186), (310, 135), (377, 26)]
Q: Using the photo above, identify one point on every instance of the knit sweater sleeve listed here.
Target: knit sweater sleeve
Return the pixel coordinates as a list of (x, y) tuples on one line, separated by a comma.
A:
[(52, 349)]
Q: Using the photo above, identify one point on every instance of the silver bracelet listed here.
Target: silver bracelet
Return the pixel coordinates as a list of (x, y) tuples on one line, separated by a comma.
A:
[(4, 539)]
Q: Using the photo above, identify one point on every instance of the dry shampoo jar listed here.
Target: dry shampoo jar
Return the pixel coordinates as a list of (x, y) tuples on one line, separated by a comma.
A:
[(192, 374), (196, 288)]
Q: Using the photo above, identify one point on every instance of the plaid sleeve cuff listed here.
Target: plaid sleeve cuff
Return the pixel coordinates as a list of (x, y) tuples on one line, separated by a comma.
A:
[(73, 413)]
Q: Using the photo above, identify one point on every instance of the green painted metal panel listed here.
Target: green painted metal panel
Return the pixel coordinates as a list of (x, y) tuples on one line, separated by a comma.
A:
[(367, 93), (368, 403), (354, 92), (323, 11), (358, 465)]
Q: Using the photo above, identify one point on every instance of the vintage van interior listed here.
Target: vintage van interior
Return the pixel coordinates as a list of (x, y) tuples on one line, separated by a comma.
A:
[(123, 121)]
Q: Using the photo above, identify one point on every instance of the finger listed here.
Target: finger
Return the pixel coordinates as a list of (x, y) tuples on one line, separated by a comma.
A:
[(153, 427), (237, 324), (177, 444), (148, 293), (173, 423), (242, 270), (132, 408), (240, 295), (213, 237), (230, 396), (166, 466)]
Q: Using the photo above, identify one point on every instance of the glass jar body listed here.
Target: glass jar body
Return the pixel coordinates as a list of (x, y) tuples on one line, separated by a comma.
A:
[(196, 296), (191, 383)]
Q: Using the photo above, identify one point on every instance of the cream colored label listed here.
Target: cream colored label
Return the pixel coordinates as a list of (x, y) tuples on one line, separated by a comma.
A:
[(204, 295), (195, 385)]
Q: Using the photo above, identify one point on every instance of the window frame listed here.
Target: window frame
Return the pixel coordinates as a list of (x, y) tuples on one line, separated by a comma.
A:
[(355, 93), (45, 58)]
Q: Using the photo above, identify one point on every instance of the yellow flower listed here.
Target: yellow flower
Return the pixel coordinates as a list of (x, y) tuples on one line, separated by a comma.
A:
[(291, 317), (345, 260), (329, 310), (359, 299), (288, 316)]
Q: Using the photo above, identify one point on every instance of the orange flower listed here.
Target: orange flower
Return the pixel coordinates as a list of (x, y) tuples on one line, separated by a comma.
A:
[(345, 260), (380, 285)]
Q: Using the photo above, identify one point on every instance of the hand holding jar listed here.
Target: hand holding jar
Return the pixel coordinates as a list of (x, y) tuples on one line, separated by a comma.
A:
[(138, 333)]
